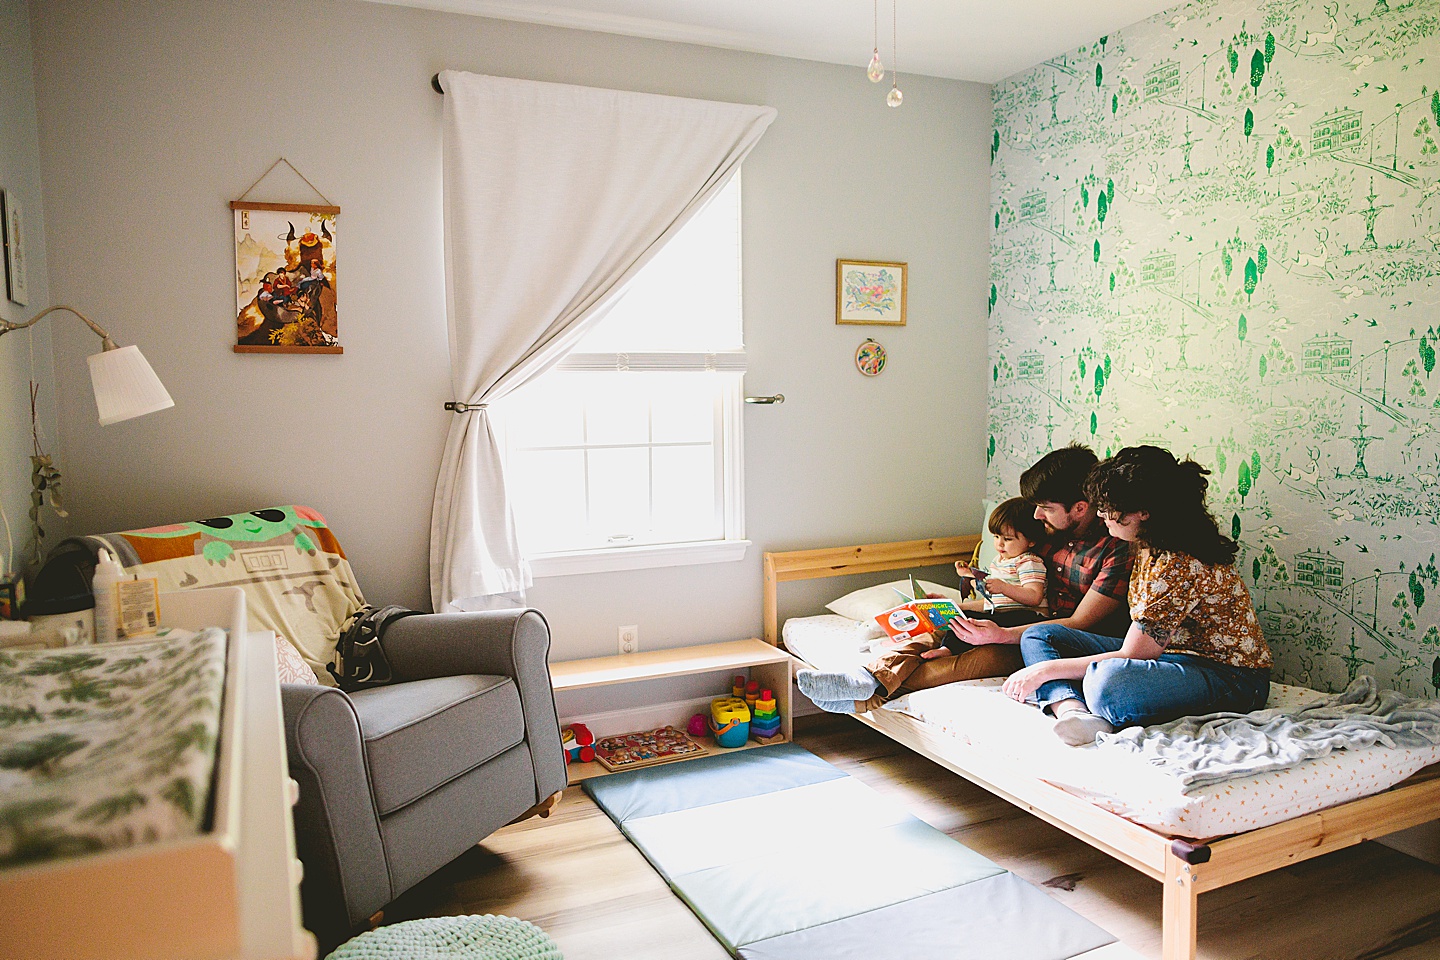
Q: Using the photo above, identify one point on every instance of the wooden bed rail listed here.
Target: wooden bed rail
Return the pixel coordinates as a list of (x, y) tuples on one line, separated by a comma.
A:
[(863, 558)]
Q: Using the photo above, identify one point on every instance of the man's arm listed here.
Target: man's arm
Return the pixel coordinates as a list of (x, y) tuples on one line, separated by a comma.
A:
[(1093, 609)]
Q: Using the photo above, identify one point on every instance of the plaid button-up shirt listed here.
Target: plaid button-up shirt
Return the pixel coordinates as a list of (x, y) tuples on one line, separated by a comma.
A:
[(1078, 564)]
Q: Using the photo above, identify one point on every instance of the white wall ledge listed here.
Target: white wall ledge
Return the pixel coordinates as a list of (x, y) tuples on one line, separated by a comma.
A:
[(638, 558)]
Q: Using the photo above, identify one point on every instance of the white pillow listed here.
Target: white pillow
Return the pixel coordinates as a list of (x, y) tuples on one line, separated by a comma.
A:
[(870, 602)]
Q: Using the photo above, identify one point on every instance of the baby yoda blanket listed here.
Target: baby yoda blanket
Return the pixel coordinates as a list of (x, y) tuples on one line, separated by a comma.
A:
[(296, 579)]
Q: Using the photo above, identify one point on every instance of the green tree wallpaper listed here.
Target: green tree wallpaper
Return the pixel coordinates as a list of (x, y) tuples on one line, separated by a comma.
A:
[(1218, 230)]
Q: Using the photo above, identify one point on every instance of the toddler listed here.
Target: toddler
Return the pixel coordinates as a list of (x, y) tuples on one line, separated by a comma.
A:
[(1015, 580)]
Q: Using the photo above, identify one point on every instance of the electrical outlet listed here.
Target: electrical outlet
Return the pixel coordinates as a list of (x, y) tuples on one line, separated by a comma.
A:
[(630, 639)]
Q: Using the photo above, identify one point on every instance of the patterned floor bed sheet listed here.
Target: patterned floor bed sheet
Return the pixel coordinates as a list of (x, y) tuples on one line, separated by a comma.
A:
[(978, 713)]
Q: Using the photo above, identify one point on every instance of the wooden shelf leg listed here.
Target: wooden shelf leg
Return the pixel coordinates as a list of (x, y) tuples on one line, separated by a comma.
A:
[(1180, 911)]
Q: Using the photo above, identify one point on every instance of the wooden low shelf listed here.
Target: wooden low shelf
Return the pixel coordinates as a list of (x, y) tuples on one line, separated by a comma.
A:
[(769, 666)]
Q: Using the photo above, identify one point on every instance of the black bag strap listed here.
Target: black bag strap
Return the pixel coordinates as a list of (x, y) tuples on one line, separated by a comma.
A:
[(360, 659)]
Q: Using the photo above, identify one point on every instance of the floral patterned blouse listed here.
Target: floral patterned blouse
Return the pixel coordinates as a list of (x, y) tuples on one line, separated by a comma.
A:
[(1201, 609)]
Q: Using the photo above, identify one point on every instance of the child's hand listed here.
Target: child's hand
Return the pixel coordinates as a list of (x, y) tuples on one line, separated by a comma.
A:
[(937, 653), (934, 596)]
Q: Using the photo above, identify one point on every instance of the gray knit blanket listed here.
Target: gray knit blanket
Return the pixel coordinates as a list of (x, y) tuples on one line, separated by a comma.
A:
[(1199, 751)]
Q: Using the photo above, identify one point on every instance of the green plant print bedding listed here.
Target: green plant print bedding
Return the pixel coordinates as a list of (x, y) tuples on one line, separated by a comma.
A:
[(107, 746)]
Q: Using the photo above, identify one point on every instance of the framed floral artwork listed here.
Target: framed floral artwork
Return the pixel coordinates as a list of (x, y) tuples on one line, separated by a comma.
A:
[(285, 282), (13, 219), (870, 291)]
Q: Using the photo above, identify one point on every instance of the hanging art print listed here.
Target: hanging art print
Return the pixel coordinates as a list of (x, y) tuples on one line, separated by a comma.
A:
[(285, 278), (869, 291)]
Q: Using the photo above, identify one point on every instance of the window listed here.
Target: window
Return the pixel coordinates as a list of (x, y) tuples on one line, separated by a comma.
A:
[(627, 453)]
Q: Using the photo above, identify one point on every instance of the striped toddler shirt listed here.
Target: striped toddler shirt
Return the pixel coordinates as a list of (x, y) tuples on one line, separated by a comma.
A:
[(1018, 571)]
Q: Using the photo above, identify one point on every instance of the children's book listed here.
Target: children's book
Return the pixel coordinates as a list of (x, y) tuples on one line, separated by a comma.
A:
[(977, 585), (918, 615)]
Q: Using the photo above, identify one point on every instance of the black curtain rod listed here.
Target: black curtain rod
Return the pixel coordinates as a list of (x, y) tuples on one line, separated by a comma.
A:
[(435, 82)]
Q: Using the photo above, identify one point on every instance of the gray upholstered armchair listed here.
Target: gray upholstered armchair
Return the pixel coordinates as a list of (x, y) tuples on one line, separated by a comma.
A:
[(396, 781)]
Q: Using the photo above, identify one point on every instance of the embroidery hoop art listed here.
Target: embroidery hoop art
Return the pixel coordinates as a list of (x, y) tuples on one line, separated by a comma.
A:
[(870, 358)]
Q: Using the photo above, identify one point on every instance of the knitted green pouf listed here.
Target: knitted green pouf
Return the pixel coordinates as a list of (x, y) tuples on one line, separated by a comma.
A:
[(485, 937)]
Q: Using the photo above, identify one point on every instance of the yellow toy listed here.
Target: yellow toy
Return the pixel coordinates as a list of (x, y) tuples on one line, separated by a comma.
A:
[(729, 721)]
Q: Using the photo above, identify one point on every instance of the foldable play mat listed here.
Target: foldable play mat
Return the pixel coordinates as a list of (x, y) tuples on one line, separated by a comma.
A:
[(784, 857)]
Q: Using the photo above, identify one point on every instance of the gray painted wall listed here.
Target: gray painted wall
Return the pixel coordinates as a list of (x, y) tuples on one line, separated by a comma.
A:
[(25, 355), (152, 117)]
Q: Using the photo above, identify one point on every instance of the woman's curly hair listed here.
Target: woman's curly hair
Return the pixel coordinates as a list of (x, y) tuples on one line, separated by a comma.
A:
[(1171, 491)]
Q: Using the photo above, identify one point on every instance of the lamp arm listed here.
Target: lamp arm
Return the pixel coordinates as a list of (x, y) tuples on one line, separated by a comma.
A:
[(6, 326)]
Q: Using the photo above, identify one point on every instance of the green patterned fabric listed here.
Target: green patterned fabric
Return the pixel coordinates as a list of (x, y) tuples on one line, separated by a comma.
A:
[(485, 937), (107, 746), (1218, 230)]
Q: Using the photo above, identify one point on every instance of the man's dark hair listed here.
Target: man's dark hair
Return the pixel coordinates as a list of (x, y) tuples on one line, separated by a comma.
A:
[(1059, 476), (1017, 514)]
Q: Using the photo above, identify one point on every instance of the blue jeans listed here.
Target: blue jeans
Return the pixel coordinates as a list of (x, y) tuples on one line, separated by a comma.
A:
[(1142, 692)]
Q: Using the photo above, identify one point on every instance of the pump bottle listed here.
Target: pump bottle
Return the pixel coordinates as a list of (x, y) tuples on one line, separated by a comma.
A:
[(108, 573)]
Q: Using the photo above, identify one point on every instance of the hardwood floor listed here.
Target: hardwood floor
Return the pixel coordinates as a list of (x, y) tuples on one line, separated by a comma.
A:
[(576, 877)]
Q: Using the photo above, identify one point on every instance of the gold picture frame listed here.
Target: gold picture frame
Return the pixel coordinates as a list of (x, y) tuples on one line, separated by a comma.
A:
[(871, 292)]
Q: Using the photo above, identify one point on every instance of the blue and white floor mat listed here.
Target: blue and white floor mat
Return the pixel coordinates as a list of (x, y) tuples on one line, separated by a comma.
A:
[(785, 857)]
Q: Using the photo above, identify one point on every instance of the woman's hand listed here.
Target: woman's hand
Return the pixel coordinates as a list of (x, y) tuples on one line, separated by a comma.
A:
[(1022, 683)]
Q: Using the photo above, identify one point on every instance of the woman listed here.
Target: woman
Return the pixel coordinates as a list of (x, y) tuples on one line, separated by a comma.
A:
[(1194, 645)]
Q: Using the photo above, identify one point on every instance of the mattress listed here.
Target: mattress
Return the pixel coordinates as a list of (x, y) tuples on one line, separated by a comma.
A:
[(978, 713)]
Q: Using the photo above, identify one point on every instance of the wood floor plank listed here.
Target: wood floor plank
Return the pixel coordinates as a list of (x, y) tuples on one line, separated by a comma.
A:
[(577, 877)]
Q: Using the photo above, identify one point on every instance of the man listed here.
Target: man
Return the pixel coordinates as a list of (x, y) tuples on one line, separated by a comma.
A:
[(1087, 570), (1087, 575)]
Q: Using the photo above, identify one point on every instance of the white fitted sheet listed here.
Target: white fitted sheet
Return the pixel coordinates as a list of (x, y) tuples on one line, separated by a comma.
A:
[(977, 712)]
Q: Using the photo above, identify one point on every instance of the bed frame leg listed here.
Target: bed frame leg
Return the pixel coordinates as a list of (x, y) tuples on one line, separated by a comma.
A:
[(1180, 911)]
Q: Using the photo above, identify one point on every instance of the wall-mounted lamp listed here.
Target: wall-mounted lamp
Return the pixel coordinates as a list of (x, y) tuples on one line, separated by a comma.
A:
[(125, 386)]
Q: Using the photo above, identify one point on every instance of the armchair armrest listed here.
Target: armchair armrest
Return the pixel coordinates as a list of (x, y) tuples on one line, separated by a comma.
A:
[(499, 642), (337, 828), (511, 643)]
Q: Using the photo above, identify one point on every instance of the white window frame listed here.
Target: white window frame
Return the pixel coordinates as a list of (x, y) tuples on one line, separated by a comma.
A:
[(732, 545), (730, 463)]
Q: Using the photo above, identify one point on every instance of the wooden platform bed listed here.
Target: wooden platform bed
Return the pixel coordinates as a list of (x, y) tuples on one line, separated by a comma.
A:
[(1185, 868)]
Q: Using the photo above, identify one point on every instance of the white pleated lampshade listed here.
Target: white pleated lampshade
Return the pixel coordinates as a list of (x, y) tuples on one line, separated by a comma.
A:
[(125, 386)]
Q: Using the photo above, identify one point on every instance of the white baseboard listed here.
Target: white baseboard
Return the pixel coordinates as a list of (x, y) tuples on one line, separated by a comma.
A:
[(675, 713), (801, 706), (1422, 842)]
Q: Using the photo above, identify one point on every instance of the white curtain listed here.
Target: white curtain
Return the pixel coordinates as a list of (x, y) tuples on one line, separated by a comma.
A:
[(555, 196)]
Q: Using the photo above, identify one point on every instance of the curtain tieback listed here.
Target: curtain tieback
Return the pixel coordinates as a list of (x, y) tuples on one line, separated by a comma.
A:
[(456, 406)]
